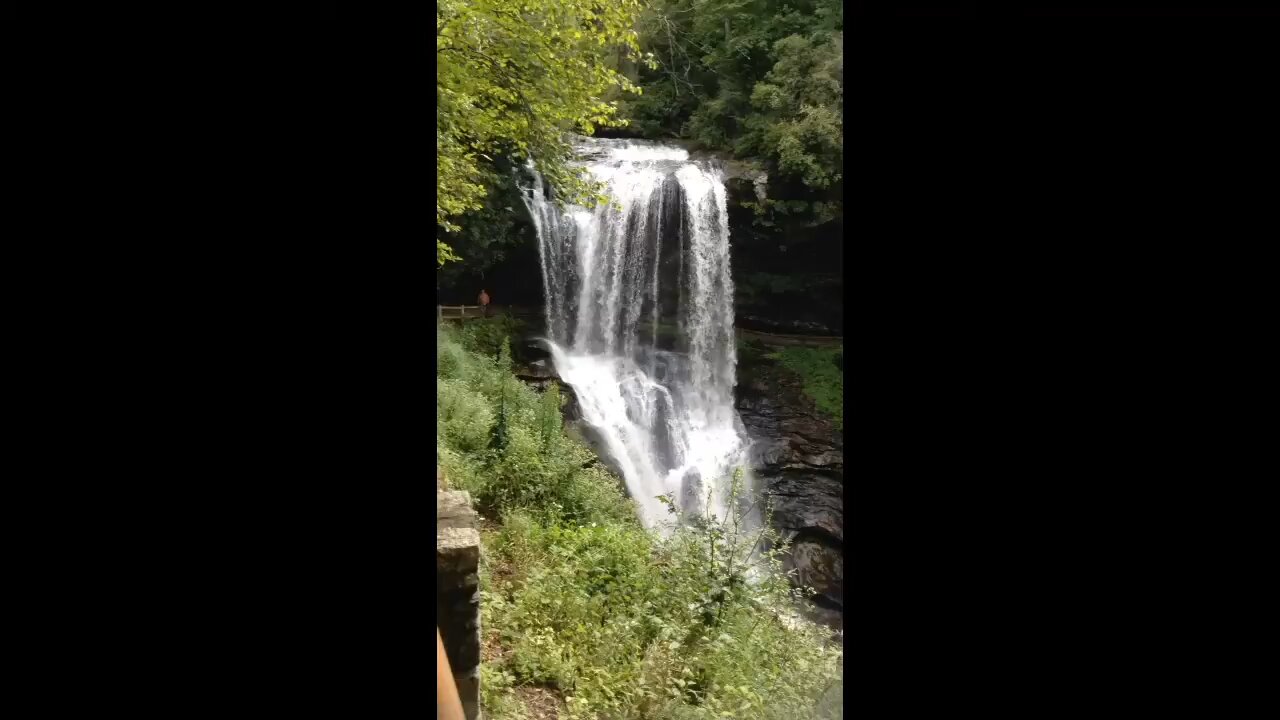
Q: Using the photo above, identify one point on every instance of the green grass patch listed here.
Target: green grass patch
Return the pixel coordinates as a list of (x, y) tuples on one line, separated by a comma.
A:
[(821, 375)]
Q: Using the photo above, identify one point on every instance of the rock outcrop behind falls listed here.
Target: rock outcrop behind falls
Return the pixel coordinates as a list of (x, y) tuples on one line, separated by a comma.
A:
[(798, 462), (786, 267)]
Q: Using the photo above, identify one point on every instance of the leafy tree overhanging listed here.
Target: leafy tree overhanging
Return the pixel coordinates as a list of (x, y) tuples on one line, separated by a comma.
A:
[(513, 79)]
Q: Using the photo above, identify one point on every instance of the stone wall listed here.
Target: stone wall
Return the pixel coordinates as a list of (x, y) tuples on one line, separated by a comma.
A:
[(458, 593)]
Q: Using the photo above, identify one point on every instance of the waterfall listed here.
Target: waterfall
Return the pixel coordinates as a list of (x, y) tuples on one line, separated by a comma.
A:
[(639, 307)]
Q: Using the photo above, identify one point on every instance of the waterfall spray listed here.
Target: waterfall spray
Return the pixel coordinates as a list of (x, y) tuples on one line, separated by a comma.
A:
[(617, 280)]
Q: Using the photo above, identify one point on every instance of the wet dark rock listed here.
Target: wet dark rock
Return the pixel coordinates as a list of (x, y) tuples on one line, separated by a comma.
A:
[(667, 450), (786, 266), (539, 374), (531, 348), (541, 370), (808, 502), (582, 430), (798, 461), (691, 492), (570, 409), (819, 564), (786, 325)]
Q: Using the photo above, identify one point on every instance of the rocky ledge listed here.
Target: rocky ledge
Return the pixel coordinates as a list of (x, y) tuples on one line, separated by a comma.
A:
[(798, 462)]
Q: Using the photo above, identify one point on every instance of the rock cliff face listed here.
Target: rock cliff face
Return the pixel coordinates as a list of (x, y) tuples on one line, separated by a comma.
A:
[(798, 462), (786, 267)]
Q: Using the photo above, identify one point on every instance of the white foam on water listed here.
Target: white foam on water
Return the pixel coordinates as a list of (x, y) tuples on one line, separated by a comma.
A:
[(612, 275)]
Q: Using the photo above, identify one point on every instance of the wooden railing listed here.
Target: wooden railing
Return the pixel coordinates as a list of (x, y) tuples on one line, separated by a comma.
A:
[(459, 312)]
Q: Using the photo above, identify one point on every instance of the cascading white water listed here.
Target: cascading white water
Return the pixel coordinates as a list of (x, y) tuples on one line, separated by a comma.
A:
[(614, 277)]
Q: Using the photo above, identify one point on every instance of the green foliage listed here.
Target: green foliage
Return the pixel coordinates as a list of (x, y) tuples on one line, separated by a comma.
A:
[(504, 355), (761, 287), (821, 374), (550, 423), (511, 79), (464, 415), (487, 335), (487, 234), (501, 434), (628, 625), (494, 438), (620, 622), (800, 123), (750, 352), (496, 697), (661, 111), (756, 78)]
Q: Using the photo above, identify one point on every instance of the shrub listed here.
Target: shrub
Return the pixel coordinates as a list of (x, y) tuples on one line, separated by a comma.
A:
[(496, 697), (464, 415), (621, 622), (461, 471), (486, 336), (628, 625), (452, 361), (512, 438)]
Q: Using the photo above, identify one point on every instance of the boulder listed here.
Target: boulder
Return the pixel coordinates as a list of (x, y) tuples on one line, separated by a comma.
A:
[(692, 493)]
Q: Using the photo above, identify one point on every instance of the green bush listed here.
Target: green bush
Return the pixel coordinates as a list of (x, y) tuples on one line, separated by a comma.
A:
[(464, 415), (485, 336), (496, 694), (461, 471), (619, 622), (627, 625), (504, 442)]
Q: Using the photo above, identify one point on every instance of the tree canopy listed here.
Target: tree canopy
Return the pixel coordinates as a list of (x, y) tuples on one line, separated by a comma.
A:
[(759, 78), (513, 78)]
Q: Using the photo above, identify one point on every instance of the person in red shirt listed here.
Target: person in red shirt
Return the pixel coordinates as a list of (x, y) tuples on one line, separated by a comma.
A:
[(484, 302)]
